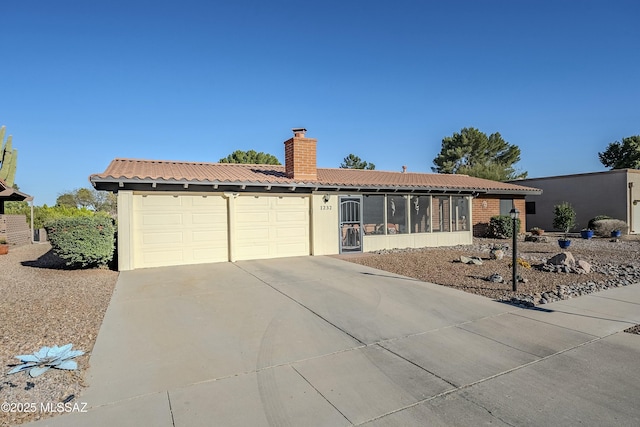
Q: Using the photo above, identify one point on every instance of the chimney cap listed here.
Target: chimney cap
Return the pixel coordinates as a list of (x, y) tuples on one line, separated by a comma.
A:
[(298, 131)]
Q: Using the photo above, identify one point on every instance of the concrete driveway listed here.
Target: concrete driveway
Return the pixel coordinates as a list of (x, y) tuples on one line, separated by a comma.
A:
[(316, 341)]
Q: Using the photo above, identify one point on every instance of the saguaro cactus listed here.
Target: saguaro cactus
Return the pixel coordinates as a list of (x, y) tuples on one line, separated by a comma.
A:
[(8, 159)]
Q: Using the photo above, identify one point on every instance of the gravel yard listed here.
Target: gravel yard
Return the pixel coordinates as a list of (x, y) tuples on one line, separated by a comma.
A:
[(44, 304), (613, 264)]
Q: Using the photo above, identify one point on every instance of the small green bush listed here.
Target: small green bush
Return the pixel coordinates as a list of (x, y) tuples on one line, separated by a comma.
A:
[(593, 220), (564, 217), (501, 226), (84, 241), (604, 227)]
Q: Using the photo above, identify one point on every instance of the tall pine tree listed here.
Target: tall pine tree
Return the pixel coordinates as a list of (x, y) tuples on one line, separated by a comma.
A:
[(473, 153)]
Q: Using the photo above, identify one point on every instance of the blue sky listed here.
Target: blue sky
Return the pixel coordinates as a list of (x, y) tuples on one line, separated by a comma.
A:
[(84, 82)]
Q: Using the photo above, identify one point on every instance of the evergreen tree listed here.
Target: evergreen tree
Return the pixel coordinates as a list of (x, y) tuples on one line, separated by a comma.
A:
[(251, 157), (354, 162), (473, 153), (622, 155)]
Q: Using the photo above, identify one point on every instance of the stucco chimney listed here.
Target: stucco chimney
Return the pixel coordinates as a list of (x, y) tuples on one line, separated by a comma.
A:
[(300, 156)]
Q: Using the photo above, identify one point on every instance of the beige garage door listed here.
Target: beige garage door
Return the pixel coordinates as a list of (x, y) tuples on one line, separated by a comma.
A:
[(182, 229), (271, 226)]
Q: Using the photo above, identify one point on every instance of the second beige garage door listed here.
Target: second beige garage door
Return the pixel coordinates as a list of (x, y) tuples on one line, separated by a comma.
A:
[(271, 226)]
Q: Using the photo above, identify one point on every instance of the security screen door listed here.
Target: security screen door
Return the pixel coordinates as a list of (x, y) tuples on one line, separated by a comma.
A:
[(350, 224)]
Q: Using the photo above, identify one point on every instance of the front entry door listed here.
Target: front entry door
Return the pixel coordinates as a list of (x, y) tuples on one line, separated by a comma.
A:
[(350, 224)]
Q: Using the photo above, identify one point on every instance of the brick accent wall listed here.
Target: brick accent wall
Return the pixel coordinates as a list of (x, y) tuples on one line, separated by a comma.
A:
[(15, 229), (300, 158), (484, 207)]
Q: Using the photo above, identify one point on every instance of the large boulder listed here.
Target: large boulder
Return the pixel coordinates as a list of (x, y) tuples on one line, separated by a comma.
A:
[(564, 258), (584, 266)]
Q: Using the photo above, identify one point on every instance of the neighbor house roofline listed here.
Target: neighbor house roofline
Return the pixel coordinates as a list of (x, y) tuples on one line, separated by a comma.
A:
[(609, 172), (10, 194)]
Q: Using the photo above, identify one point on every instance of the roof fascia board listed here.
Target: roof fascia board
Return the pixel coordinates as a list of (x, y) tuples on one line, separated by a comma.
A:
[(313, 186)]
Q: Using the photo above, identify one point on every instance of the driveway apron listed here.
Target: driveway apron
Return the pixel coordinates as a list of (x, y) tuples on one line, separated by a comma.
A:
[(318, 341)]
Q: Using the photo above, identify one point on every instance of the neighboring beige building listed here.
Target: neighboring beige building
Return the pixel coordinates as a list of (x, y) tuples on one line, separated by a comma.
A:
[(172, 213), (615, 193)]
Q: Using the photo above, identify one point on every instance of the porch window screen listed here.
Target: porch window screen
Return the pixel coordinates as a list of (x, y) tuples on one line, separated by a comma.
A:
[(396, 214), (419, 213), (373, 214), (460, 213), (441, 212)]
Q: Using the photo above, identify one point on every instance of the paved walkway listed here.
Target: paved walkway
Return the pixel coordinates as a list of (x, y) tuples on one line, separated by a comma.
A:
[(316, 341)]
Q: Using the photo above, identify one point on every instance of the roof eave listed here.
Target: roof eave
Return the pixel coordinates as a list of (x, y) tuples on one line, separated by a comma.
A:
[(316, 186)]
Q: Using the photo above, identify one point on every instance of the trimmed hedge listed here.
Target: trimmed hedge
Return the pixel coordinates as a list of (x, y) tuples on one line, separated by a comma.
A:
[(501, 226), (83, 241)]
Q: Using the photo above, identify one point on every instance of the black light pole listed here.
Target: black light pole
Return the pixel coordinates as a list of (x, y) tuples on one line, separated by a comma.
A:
[(514, 217)]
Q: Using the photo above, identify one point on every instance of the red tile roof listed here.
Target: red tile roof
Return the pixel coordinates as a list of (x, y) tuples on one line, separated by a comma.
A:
[(161, 171)]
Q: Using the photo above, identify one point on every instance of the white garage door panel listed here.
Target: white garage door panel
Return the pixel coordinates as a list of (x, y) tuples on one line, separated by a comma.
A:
[(160, 258), (211, 235), (254, 252), (252, 219), (205, 255), (289, 233), (291, 216), (159, 200), (161, 220), (207, 219), (253, 234), (186, 229), (160, 238), (271, 227)]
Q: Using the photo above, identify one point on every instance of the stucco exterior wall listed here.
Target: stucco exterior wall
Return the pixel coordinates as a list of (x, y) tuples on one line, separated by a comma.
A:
[(602, 193), (325, 238), (125, 232), (418, 240)]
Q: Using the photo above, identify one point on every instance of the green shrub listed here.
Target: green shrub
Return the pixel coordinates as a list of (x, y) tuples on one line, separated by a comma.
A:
[(564, 217), (44, 214), (593, 220), (84, 241), (604, 227), (501, 226)]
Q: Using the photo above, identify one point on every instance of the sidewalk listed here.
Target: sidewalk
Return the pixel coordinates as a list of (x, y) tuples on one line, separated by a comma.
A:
[(318, 341)]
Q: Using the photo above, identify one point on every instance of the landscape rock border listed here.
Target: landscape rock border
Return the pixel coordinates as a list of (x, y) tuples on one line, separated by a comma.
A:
[(615, 274)]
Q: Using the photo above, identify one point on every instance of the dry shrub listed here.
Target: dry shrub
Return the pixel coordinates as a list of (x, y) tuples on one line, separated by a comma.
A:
[(604, 227)]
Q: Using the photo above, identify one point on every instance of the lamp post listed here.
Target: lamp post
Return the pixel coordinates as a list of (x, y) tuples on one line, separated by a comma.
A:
[(514, 213)]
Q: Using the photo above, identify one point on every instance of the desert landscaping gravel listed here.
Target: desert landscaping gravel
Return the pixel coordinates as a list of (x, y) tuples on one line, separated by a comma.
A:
[(44, 304), (613, 264)]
